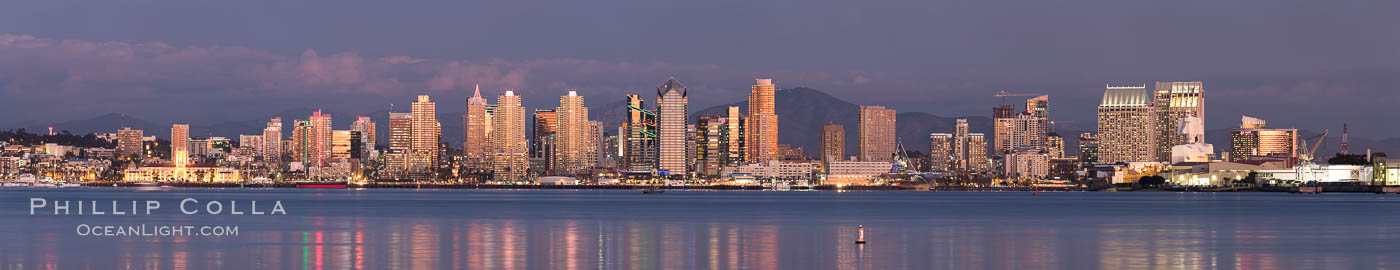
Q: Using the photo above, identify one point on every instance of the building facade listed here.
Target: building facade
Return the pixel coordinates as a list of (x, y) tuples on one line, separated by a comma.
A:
[(1174, 101), (877, 136), (762, 123), (671, 115), (1127, 125)]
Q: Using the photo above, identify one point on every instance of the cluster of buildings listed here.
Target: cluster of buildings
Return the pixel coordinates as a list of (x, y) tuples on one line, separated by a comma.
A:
[(1141, 131)]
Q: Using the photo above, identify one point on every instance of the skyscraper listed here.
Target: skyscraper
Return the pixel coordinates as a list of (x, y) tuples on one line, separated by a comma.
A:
[(976, 157), (1127, 125), (304, 142), (940, 152), (320, 148), (709, 145), (1003, 121), (639, 139), (508, 144), (365, 126), (762, 124), (180, 144), (1174, 101), (476, 136), (735, 137), (573, 135), (671, 114), (1030, 127), (426, 133), (1055, 145), (597, 143), (833, 143), (1088, 149), (271, 150), (545, 124), (877, 136), (400, 140)]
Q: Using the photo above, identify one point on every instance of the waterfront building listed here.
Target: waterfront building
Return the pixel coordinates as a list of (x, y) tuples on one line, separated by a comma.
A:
[(180, 144), (710, 145), (639, 137), (271, 149), (572, 137), (1027, 163), (365, 126), (877, 133), (475, 131), (776, 170), (1088, 149), (1055, 145), (400, 140), (940, 150), (1126, 125), (833, 143), (194, 173), (1174, 101), (736, 136), (1254, 140), (762, 122), (425, 133), (1064, 169), (1003, 121), (853, 172), (671, 115), (508, 144), (544, 124)]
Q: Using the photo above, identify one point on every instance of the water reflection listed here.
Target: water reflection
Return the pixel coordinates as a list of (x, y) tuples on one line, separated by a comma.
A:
[(721, 230)]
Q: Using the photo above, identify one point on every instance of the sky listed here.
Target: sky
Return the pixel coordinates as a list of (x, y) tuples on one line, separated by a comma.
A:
[(1304, 64)]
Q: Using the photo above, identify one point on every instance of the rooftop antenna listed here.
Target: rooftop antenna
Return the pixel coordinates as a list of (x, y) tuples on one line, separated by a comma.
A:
[(1344, 140)]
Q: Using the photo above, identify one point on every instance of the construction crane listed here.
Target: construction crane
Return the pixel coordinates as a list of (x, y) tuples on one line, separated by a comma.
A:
[(1003, 94), (901, 159)]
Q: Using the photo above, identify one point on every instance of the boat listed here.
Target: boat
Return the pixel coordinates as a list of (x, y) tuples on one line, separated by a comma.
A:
[(340, 184), (653, 191)]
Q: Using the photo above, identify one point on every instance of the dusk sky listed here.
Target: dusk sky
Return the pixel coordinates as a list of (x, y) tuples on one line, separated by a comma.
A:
[(1305, 64)]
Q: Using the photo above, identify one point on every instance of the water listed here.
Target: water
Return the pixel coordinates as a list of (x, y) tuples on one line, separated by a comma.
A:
[(547, 229)]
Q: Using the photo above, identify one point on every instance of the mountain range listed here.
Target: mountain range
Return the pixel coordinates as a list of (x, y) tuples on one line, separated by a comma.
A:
[(801, 114)]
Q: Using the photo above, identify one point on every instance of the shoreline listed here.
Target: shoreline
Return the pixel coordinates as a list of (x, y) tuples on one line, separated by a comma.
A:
[(1303, 190)]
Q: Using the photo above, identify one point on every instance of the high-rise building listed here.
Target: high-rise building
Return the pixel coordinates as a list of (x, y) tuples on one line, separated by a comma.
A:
[(573, 135), (639, 137), (710, 145), (690, 147), (877, 133), (671, 115), (545, 124), (1088, 149), (180, 144), (320, 148), (400, 140), (508, 144), (129, 143), (1030, 127), (1174, 101), (1003, 121), (365, 126), (735, 138), (1253, 140), (254, 142), (940, 152), (342, 144), (304, 142), (1127, 125), (425, 133), (1055, 145), (597, 143), (1027, 163), (833, 143), (762, 123), (976, 156), (476, 134), (271, 151)]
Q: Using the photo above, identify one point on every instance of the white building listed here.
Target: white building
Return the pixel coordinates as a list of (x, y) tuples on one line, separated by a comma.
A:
[(855, 172), (776, 170), (1320, 173), (1027, 163)]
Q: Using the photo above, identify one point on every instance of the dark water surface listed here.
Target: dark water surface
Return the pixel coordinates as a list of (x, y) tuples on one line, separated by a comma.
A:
[(546, 229)]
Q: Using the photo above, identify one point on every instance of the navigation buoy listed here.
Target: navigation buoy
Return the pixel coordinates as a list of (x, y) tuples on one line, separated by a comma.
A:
[(860, 234)]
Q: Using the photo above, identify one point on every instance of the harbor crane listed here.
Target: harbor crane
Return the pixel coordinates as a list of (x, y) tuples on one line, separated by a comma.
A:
[(1307, 170)]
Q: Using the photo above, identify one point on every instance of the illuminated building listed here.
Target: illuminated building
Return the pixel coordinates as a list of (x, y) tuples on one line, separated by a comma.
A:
[(1174, 101), (476, 133), (762, 123), (545, 124), (508, 144), (639, 137), (1027, 163), (940, 150), (180, 144), (425, 133), (1055, 145), (320, 148), (709, 145), (735, 136), (365, 126), (271, 149), (671, 115), (572, 137), (833, 143), (1003, 121), (1253, 140), (1126, 125), (877, 136), (1088, 149), (400, 140)]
